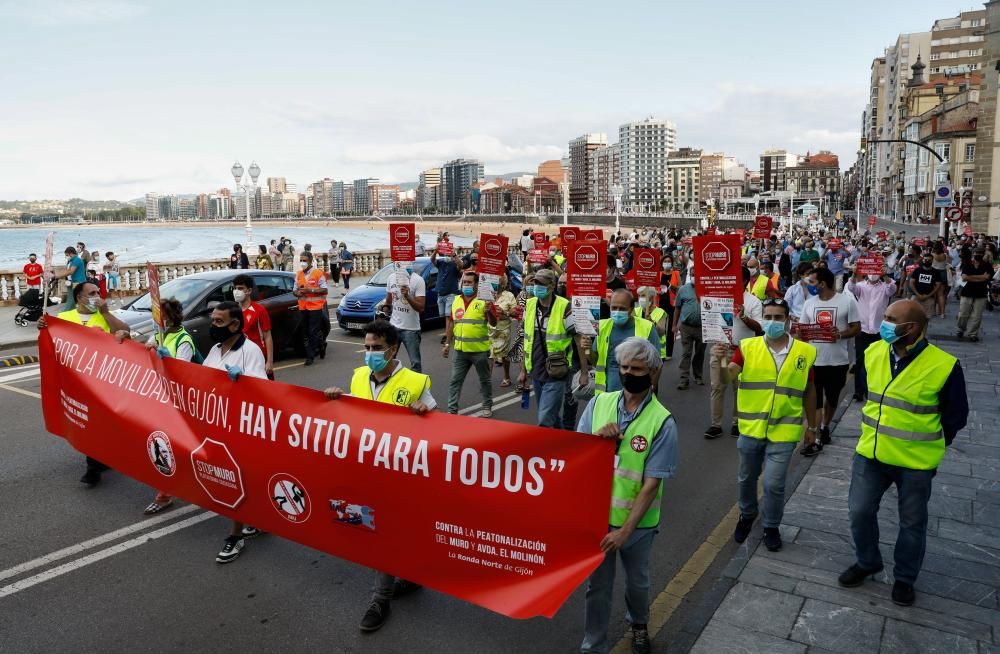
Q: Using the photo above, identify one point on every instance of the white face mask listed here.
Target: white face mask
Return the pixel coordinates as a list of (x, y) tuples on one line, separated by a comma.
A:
[(239, 296), (92, 303), (643, 302), (303, 265)]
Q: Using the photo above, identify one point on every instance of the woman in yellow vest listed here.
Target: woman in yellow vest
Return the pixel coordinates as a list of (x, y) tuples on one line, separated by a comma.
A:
[(93, 312), (775, 396), (916, 405), (645, 437), (383, 378), (649, 309), (467, 326)]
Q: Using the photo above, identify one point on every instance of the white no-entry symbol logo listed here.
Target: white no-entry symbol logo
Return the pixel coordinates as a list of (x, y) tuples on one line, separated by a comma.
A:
[(289, 498)]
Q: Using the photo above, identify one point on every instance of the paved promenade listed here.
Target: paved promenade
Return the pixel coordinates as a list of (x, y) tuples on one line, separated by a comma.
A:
[(789, 601)]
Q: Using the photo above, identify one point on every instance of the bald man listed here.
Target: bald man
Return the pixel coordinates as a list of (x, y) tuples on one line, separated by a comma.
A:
[(916, 404)]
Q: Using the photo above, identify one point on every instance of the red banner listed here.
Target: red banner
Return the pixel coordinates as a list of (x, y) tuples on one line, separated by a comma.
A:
[(402, 237), (873, 264), (717, 268), (762, 226), (538, 255), (834, 243), (492, 254), (586, 269), (445, 248), (920, 241), (503, 515), (646, 265), (153, 278), (540, 239), (817, 332), (568, 234)]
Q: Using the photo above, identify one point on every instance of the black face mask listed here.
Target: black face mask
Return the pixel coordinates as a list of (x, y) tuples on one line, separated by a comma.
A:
[(219, 334), (636, 383), (561, 290)]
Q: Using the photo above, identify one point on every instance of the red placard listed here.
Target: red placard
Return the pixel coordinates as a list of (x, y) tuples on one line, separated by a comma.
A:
[(686, 240), (538, 255), (646, 264), (592, 234), (920, 241), (509, 517), (816, 332), (402, 237), (153, 275), (871, 220), (882, 236), (539, 238), (445, 248), (586, 268), (568, 234), (762, 226), (873, 264), (741, 233), (709, 231), (834, 243), (717, 268), (492, 254)]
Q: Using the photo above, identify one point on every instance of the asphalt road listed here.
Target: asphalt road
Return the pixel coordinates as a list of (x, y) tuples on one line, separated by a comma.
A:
[(129, 593)]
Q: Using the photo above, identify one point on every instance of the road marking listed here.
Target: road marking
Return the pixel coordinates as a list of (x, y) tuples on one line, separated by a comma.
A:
[(663, 607), (24, 374), (100, 555), (94, 542), (15, 389), (289, 365), (333, 340)]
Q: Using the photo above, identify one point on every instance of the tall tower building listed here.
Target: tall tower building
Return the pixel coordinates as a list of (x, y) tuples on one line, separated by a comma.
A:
[(276, 185), (152, 206), (457, 177), (644, 149), (580, 173)]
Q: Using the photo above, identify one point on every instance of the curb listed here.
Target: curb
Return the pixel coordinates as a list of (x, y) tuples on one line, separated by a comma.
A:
[(18, 360)]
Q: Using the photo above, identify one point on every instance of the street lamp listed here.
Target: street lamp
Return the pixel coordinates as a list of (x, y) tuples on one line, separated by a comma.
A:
[(617, 191), (254, 172)]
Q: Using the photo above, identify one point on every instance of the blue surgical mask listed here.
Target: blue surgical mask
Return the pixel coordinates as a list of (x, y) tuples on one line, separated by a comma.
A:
[(541, 292), (813, 289), (774, 329), (376, 361), (467, 291), (887, 331), (619, 317), (409, 270)]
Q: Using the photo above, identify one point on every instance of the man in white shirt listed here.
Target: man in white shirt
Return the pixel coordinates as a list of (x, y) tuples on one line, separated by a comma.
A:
[(840, 312), (746, 324), (418, 247), (405, 304), (236, 355)]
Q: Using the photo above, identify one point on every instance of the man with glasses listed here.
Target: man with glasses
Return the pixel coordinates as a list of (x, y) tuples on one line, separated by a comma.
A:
[(776, 392)]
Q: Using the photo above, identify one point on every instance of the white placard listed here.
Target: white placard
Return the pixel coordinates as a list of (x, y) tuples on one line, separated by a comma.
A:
[(485, 291), (717, 320), (586, 315), (399, 268)]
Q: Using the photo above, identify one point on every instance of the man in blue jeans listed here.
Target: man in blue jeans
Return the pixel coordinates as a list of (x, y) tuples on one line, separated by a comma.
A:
[(447, 283), (776, 392), (916, 405)]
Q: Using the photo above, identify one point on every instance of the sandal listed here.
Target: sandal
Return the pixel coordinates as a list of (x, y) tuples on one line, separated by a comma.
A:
[(505, 383), (155, 508)]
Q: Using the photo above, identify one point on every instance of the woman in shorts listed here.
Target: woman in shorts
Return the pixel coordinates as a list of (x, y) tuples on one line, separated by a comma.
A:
[(112, 276)]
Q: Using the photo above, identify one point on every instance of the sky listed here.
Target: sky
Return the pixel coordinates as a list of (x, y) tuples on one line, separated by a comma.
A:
[(111, 99)]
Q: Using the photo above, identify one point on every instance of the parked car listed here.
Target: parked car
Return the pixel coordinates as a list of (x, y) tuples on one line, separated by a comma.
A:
[(201, 292), (360, 305)]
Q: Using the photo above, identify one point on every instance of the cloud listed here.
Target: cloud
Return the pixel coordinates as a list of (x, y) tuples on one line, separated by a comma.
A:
[(115, 182), (58, 13), (479, 146)]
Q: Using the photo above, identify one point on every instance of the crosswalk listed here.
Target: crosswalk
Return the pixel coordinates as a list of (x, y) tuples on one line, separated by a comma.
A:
[(20, 373)]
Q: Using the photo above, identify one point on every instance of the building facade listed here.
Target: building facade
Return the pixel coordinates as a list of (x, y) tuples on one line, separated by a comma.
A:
[(683, 180), (605, 173), (645, 146), (457, 177), (580, 150), (957, 44), (816, 179), (712, 167), (772, 169)]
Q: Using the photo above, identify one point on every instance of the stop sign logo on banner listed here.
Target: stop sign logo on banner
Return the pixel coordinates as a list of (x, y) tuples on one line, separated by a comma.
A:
[(762, 227), (539, 239), (402, 250), (717, 268), (492, 264), (592, 235), (586, 282), (647, 266), (568, 234), (217, 473)]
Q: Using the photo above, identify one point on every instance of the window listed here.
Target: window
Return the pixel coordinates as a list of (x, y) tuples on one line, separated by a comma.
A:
[(935, 56), (970, 152), (943, 150), (967, 180)]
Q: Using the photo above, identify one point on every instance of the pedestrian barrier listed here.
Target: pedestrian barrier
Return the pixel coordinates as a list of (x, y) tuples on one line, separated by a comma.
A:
[(18, 360)]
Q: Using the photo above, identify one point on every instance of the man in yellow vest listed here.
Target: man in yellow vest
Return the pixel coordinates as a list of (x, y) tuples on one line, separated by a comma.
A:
[(91, 311), (775, 395), (466, 326), (310, 288), (613, 331), (916, 405), (646, 454), (383, 378)]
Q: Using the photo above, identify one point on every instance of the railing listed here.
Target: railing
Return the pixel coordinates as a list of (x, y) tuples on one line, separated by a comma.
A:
[(135, 280)]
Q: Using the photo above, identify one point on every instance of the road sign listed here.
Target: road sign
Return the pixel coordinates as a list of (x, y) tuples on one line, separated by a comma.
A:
[(954, 214), (942, 196)]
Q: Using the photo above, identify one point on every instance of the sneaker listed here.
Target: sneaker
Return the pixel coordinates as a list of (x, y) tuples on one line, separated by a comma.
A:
[(376, 615), (743, 527), (974, 339), (91, 478), (713, 432), (959, 334), (250, 532), (824, 436), (640, 639), (487, 413), (902, 593), (230, 551), (403, 587), (855, 575), (812, 449), (772, 539), (683, 386), (735, 431), (309, 362), (699, 381)]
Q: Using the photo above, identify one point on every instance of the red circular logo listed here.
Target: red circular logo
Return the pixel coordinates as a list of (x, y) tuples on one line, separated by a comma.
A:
[(763, 222), (586, 257), (715, 256), (459, 312), (492, 247), (646, 261), (289, 497), (401, 234), (639, 444), (569, 236)]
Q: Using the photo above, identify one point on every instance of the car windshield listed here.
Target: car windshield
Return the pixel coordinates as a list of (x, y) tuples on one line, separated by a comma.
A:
[(381, 278), (181, 289)]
